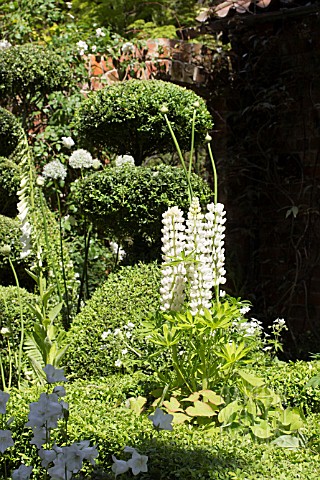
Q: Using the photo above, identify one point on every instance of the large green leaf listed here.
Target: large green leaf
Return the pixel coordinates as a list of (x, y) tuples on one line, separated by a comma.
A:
[(200, 409), (228, 413), (251, 379)]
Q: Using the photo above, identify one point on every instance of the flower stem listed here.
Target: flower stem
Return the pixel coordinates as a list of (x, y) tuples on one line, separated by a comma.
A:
[(21, 323), (215, 176)]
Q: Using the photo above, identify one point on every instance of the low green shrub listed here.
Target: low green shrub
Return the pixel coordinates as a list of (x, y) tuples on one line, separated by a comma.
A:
[(9, 185), (289, 380), (98, 414), (126, 118), (10, 323), (127, 204), (10, 131), (10, 235), (28, 70), (103, 335)]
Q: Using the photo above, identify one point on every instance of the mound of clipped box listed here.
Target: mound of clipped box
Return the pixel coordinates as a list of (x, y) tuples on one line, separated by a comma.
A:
[(9, 185), (104, 336)]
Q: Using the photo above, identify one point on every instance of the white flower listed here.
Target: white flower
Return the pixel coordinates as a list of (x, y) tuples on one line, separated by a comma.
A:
[(124, 351), (46, 411), (105, 334), (119, 466), (40, 181), (60, 391), (89, 453), (82, 47), (93, 48), (127, 47), (54, 375), (47, 456), (4, 44), (55, 170), (117, 250), (118, 363), (4, 397), (244, 310), (122, 160), (73, 457), (39, 436), (100, 32), (67, 142), (22, 473), (117, 332), (96, 164), (5, 440), (161, 420), (81, 159), (138, 463), (128, 334)]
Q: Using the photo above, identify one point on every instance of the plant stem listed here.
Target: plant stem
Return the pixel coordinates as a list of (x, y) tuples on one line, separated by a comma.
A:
[(67, 323), (21, 323), (215, 176), (192, 143)]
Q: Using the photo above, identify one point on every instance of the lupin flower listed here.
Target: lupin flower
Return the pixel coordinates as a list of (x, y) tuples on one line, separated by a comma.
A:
[(215, 232), (25, 227), (199, 271), (173, 275)]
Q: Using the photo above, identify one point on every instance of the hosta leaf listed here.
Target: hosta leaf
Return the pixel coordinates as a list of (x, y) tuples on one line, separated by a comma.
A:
[(228, 413), (251, 379), (192, 398), (287, 441), (212, 397), (179, 418), (262, 430), (137, 404), (200, 409), (173, 405)]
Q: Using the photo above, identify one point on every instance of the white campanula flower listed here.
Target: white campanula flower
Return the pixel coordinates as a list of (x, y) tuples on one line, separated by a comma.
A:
[(81, 159), (54, 375), (161, 420), (4, 397), (138, 463), (118, 363), (100, 32), (67, 142), (22, 473), (82, 47), (119, 466), (123, 160), (89, 453), (4, 44), (5, 440), (47, 456), (47, 411), (55, 170), (127, 47), (172, 289), (39, 436)]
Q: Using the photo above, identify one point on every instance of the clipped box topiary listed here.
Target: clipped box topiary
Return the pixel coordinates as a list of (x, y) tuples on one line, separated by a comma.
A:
[(10, 131), (127, 204), (9, 185), (125, 118), (103, 336)]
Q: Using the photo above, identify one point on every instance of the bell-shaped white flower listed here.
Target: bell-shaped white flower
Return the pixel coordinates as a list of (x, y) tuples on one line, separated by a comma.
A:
[(161, 420), (138, 463), (6, 440), (54, 375), (4, 397), (22, 473), (119, 466)]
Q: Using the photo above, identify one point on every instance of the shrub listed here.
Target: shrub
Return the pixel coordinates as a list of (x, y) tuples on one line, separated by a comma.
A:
[(31, 70), (98, 414), (10, 130), (127, 204), (9, 185), (10, 319), (127, 296), (126, 118)]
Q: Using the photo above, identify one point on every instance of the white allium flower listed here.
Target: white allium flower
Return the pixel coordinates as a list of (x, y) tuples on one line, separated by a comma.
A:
[(81, 159), (96, 164), (122, 160), (67, 142), (127, 47), (4, 44), (55, 170), (161, 420), (100, 32), (22, 473), (82, 47), (5, 440), (173, 276)]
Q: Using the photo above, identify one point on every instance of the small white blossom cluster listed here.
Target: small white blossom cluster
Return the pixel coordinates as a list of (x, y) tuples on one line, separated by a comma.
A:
[(124, 160), (81, 159), (4, 44), (23, 209), (137, 463), (251, 328), (199, 245), (82, 47), (100, 32), (122, 335), (67, 142), (127, 47), (54, 170), (117, 250), (173, 278)]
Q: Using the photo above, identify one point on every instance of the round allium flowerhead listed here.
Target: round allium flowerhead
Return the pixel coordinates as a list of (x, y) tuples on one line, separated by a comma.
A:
[(123, 160), (54, 170), (81, 159)]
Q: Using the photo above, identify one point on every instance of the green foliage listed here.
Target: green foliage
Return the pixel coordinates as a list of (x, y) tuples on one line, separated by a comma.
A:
[(98, 414), (10, 324), (10, 235), (9, 185), (126, 118), (10, 131), (127, 203), (127, 296), (31, 70)]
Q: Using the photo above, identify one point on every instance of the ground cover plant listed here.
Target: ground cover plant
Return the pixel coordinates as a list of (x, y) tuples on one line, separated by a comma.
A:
[(124, 356)]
